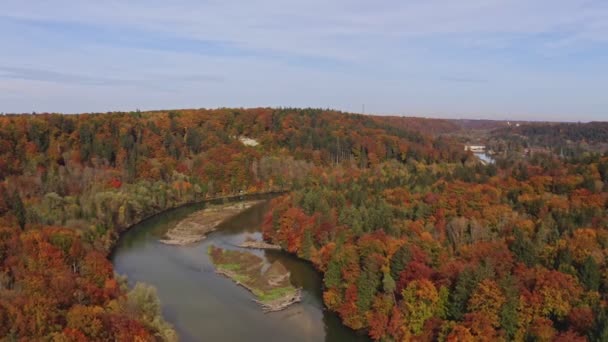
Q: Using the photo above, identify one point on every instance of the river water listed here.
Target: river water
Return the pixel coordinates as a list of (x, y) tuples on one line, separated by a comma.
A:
[(486, 158), (204, 306)]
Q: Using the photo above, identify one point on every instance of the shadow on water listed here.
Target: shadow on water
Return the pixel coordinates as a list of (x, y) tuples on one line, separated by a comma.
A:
[(205, 306)]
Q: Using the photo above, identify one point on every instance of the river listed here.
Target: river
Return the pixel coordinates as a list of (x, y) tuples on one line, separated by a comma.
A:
[(485, 157), (204, 306)]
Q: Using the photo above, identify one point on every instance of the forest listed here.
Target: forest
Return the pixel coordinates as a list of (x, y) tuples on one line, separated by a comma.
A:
[(416, 239), (565, 139), (71, 183), (591, 132)]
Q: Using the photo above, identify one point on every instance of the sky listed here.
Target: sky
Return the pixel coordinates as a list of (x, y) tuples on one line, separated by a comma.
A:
[(493, 59)]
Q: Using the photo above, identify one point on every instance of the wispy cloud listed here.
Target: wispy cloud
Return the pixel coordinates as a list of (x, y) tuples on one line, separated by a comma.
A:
[(78, 79), (402, 55)]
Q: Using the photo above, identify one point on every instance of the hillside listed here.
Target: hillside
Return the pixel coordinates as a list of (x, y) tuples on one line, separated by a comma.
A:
[(71, 183), (458, 253), (415, 238)]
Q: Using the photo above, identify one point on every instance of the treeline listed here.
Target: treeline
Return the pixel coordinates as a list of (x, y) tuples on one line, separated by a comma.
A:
[(103, 172), (452, 252), (69, 184), (564, 139), (423, 125), (590, 132)]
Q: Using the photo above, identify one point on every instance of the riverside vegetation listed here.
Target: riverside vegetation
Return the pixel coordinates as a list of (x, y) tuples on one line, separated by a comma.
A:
[(415, 238)]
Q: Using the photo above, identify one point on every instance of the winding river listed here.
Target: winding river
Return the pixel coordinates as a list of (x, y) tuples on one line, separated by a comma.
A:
[(205, 306)]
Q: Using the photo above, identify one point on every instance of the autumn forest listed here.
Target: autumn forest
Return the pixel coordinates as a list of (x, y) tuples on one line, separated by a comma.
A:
[(416, 238)]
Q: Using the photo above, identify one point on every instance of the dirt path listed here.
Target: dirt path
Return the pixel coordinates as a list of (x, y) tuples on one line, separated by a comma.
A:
[(197, 225)]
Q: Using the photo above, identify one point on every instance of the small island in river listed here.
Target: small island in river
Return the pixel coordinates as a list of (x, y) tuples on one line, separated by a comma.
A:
[(197, 225), (270, 284)]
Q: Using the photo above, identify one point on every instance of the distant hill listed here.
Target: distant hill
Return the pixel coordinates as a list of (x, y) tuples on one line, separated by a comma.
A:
[(423, 125), (592, 132), (470, 124)]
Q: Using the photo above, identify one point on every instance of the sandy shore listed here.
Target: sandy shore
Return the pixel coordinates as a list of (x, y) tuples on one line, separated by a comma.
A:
[(197, 225), (255, 244)]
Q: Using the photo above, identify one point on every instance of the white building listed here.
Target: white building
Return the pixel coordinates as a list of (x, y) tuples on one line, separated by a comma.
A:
[(475, 148)]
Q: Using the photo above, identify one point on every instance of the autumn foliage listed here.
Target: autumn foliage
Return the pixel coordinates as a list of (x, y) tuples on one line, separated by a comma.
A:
[(445, 251), (415, 238), (69, 184)]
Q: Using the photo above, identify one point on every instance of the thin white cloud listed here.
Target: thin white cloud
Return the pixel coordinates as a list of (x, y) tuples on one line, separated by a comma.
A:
[(328, 28), (434, 56)]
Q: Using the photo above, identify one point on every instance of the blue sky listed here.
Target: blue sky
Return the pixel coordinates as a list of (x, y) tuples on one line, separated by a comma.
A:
[(496, 59)]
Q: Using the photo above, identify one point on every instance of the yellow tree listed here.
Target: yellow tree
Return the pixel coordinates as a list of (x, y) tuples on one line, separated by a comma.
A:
[(487, 299), (420, 302)]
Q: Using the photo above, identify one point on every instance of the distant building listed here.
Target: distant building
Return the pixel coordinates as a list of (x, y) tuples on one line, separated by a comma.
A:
[(475, 148)]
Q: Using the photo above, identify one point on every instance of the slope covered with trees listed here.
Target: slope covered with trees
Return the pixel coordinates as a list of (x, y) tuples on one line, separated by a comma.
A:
[(444, 251), (548, 133), (69, 184), (564, 139), (416, 240), (304, 224)]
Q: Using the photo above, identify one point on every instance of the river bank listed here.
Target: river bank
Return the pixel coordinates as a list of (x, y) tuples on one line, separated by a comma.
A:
[(258, 244), (197, 225), (124, 230), (201, 304)]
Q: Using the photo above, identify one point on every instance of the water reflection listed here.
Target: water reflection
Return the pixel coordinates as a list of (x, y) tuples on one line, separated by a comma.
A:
[(205, 306)]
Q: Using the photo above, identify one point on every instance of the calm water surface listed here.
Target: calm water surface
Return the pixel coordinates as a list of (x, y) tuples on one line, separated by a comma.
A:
[(204, 306), (485, 157)]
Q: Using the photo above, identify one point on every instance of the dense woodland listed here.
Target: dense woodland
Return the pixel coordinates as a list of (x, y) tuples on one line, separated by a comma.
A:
[(564, 139), (416, 239), (71, 183), (591, 132), (449, 252)]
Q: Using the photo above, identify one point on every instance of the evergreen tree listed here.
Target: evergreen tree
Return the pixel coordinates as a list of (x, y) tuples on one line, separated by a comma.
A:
[(461, 294), (367, 286), (39, 134), (194, 140), (590, 274), (86, 142), (19, 210), (523, 249), (333, 275), (399, 261), (307, 245), (599, 332), (508, 312)]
